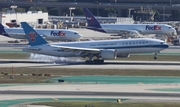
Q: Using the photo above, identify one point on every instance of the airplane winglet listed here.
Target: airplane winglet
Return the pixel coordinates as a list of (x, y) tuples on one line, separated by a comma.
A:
[(33, 37)]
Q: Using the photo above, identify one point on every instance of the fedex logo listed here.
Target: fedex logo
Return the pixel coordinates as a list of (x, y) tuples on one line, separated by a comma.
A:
[(32, 36), (89, 18), (155, 27), (59, 33)]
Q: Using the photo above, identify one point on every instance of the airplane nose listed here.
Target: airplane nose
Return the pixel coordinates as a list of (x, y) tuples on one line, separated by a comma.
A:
[(174, 32), (166, 45), (80, 36)]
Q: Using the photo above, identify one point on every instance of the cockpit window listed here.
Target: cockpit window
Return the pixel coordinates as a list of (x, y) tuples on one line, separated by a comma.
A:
[(162, 42), (169, 27), (75, 33)]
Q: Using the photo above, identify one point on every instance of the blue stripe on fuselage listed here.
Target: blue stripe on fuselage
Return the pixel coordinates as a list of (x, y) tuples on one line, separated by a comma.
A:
[(144, 46)]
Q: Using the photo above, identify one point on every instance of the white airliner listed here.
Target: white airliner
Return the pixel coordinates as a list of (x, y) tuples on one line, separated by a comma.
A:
[(49, 34), (130, 29), (96, 51)]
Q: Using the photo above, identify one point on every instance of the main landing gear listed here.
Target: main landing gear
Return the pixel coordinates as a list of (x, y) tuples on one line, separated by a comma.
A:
[(94, 61)]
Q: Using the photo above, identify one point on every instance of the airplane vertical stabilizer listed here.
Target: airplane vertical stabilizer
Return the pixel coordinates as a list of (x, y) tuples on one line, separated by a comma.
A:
[(2, 31), (93, 23), (33, 37), (91, 19)]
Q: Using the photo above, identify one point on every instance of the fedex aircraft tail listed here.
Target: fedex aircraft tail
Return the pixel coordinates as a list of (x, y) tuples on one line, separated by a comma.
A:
[(91, 19), (2, 31), (93, 23), (33, 37)]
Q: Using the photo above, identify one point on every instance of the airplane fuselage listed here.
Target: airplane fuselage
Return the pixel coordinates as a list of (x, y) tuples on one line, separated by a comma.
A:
[(49, 34), (140, 28), (123, 46)]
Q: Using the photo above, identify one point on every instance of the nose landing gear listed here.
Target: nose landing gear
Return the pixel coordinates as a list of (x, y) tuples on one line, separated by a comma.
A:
[(155, 56)]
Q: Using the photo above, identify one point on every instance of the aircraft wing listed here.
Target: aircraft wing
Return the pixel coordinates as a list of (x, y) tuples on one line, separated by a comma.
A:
[(78, 49)]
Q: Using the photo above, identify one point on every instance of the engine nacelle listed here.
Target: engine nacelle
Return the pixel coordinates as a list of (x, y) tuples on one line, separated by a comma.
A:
[(123, 55), (108, 54)]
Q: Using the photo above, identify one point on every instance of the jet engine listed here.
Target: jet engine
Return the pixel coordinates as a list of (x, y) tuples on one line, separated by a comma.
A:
[(123, 55), (108, 54)]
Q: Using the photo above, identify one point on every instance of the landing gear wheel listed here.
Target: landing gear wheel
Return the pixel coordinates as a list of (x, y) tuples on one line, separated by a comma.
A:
[(98, 61), (155, 58), (88, 62), (94, 62)]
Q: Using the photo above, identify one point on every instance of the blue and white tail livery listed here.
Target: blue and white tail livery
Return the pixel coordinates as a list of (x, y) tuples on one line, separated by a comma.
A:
[(33, 37), (119, 29)]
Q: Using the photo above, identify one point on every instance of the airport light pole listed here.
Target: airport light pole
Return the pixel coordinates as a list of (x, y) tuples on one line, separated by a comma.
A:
[(115, 1), (170, 2), (13, 7), (163, 13), (34, 6), (130, 11), (70, 10), (97, 11)]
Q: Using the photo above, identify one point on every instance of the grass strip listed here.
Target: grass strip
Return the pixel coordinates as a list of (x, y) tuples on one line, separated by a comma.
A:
[(105, 104), (24, 75)]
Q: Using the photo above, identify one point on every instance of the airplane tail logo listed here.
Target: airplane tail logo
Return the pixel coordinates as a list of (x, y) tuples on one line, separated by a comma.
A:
[(89, 18), (32, 36)]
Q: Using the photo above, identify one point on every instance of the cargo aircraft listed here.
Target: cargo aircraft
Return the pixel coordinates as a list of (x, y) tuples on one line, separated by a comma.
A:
[(48, 34), (127, 29)]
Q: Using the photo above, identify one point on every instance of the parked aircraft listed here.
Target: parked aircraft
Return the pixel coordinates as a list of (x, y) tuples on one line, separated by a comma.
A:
[(49, 34), (129, 29), (96, 51)]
